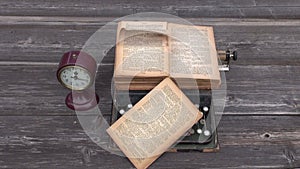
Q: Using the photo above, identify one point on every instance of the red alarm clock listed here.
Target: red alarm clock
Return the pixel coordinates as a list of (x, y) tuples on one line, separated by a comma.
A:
[(76, 71)]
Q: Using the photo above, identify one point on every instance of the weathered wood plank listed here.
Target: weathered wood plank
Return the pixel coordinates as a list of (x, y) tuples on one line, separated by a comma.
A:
[(99, 21), (264, 88), (277, 3), (193, 8), (34, 90), (262, 43), (59, 141), (267, 85)]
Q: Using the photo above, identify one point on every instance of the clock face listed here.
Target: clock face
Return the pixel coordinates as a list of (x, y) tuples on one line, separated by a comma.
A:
[(75, 77)]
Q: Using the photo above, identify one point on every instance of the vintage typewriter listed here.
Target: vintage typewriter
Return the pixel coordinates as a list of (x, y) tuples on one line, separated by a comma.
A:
[(203, 135)]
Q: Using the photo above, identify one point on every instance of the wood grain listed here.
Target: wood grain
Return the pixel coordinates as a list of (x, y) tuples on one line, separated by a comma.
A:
[(260, 126), (37, 40), (59, 141), (117, 8), (251, 90)]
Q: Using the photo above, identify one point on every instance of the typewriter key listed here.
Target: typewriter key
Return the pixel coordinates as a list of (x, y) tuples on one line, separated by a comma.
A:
[(205, 109), (122, 111), (202, 121), (207, 133), (129, 106)]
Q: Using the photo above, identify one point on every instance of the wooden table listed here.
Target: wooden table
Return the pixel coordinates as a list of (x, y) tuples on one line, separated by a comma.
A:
[(261, 123)]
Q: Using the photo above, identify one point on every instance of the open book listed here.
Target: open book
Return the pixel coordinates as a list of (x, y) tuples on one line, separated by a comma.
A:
[(147, 52), (154, 124)]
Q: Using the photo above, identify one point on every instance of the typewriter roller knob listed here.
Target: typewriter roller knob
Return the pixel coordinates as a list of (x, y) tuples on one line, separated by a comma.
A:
[(225, 57), (234, 55), (231, 55)]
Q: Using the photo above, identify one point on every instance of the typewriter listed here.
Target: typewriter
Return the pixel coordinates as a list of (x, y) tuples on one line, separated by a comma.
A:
[(203, 135)]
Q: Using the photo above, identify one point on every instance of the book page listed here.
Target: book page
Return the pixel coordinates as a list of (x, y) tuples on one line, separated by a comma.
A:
[(149, 26), (192, 52), (141, 52), (154, 124)]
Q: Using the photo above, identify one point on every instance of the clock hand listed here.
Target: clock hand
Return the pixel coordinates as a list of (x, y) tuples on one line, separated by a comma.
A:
[(83, 79), (76, 78)]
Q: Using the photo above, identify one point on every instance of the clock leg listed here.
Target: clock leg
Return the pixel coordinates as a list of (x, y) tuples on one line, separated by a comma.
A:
[(82, 100)]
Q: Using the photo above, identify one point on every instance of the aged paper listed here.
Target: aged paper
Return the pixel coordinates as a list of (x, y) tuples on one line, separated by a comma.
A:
[(151, 50), (149, 26), (144, 51), (140, 51), (192, 52), (156, 122)]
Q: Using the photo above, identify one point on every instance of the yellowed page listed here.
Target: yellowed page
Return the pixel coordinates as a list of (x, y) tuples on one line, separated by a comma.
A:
[(155, 27), (192, 52), (140, 52), (154, 124)]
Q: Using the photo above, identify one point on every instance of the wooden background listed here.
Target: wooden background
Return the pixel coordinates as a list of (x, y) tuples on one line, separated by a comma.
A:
[(260, 128)]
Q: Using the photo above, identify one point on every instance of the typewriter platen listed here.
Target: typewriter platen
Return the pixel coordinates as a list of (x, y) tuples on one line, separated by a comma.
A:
[(203, 135)]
